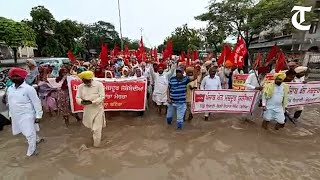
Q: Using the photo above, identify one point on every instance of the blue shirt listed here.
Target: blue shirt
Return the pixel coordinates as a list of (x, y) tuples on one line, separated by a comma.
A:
[(178, 89)]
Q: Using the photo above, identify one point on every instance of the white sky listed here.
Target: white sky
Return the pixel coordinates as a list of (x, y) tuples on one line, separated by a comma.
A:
[(158, 18)]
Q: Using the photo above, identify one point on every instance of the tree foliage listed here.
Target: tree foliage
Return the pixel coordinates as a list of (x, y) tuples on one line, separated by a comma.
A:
[(247, 18), (100, 32), (184, 39), (16, 34)]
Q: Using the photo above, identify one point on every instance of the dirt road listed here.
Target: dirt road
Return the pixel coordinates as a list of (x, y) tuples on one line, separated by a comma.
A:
[(138, 148)]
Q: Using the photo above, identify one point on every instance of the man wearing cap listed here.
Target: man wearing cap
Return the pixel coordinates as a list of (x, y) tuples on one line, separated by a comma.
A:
[(177, 97), (91, 95), (299, 78), (25, 108), (275, 101), (211, 82)]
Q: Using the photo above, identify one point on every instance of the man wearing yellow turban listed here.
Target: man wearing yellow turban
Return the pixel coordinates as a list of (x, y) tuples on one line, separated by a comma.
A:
[(275, 101), (91, 95)]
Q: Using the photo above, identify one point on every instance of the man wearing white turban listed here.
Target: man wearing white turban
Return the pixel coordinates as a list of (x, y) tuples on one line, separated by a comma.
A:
[(299, 78)]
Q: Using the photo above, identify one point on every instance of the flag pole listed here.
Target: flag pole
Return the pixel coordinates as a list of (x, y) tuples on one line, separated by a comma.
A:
[(120, 25)]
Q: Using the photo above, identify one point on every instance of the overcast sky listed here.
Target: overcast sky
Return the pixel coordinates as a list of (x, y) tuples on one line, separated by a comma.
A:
[(157, 18)]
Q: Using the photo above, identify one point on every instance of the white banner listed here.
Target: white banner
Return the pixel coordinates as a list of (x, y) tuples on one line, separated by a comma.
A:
[(303, 94), (229, 101)]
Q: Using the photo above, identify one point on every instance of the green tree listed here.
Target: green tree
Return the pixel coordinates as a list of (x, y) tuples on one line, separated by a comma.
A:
[(100, 32), (67, 32), (16, 34), (43, 23), (247, 18), (184, 38), (132, 44)]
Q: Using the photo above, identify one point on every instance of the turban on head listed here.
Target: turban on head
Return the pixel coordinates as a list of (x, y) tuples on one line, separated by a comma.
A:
[(182, 64), (18, 72), (161, 65), (280, 75), (189, 69), (207, 63), (86, 75), (300, 69), (228, 64)]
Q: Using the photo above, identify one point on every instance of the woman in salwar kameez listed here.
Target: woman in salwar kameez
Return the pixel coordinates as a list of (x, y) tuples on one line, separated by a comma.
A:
[(63, 97)]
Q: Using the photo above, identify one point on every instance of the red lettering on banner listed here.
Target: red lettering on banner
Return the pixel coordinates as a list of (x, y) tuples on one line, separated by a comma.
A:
[(303, 90), (220, 97), (230, 98), (293, 90), (313, 90), (210, 97)]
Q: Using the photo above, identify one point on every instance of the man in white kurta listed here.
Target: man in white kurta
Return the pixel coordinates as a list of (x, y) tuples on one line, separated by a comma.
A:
[(254, 82), (161, 82), (24, 109), (91, 95), (275, 101), (299, 78), (211, 82)]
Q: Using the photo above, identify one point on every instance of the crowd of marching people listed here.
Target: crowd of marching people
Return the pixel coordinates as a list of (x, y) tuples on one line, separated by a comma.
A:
[(170, 87)]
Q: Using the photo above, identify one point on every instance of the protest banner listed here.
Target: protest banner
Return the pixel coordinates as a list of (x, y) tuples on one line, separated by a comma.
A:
[(239, 80), (120, 94), (303, 94), (269, 78), (228, 101)]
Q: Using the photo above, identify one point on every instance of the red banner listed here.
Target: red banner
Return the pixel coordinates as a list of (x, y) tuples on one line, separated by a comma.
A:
[(121, 95)]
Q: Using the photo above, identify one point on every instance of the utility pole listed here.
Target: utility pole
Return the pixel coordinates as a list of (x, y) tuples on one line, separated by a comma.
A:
[(120, 25)]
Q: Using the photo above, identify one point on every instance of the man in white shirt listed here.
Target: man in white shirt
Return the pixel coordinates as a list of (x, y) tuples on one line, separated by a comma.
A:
[(254, 82), (299, 78), (25, 109), (211, 82)]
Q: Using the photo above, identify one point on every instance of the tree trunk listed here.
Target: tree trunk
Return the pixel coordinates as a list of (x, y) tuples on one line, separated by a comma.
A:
[(216, 49), (15, 56)]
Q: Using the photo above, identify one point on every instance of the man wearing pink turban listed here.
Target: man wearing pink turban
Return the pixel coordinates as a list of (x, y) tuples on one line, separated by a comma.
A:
[(25, 108)]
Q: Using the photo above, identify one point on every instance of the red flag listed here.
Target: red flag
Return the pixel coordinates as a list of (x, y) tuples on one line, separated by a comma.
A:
[(141, 50), (155, 53), (151, 52), (168, 51), (281, 62), (188, 55), (126, 50), (182, 57), (103, 55), (272, 54), (257, 63), (115, 50), (70, 56), (239, 52), (225, 54)]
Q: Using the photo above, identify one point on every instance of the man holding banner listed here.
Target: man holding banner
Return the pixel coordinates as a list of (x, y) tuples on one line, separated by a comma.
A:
[(211, 82), (91, 95), (275, 101)]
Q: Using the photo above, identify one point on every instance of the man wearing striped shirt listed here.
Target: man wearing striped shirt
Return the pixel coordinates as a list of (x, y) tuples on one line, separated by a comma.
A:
[(177, 91)]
